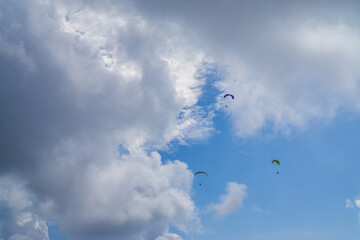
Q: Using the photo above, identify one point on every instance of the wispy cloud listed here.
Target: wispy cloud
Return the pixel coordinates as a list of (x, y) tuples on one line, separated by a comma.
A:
[(256, 208), (20, 212), (349, 203), (169, 236)]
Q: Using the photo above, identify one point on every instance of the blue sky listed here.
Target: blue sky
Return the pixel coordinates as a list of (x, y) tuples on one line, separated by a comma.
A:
[(108, 110)]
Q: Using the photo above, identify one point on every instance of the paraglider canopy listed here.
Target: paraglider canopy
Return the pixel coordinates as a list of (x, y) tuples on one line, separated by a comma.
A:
[(275, 161), (228, 94), (201, 172)]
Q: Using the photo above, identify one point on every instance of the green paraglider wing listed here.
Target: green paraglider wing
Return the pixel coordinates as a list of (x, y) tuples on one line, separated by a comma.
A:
[(275, 161)]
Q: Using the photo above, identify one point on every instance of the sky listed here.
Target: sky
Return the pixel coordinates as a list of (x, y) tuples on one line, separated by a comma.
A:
[(108, 108)]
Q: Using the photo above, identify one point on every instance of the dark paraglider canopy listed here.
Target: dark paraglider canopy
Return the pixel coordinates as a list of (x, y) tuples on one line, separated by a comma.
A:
[(201, 172), (228, 94)]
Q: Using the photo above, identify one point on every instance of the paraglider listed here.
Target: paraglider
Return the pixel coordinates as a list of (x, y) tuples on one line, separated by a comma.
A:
[(277, 162), (229, 95), (199, 173)]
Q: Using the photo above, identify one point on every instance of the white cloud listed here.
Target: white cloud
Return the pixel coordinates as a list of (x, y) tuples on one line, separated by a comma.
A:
[(134, 197), (231, 201), (81, 79), (294, 85)]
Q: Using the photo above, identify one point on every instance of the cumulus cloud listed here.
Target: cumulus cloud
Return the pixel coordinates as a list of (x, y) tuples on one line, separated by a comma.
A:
[(94, 73), (78, 80), (134, 197), (231, 201)]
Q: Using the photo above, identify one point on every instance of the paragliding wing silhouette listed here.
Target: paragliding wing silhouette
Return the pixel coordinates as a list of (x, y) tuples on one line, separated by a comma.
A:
[(201, 172), (228, 94), (275, 161)]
